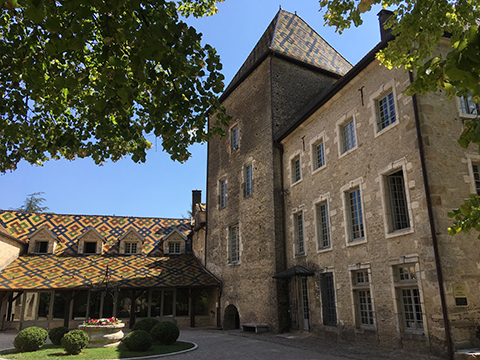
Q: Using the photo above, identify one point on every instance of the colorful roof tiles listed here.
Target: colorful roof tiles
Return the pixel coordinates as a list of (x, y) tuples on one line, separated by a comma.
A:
[(289, 35), (41, 272), (68, 228)]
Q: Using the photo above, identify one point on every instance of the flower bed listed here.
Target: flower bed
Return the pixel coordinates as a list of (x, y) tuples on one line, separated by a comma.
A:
[(103, 332)]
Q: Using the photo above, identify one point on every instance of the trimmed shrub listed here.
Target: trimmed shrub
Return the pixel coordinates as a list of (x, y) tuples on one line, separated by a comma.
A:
[(165, 333), (74, 341), (138, 340), (56, 334), (30, 339), (145, 324)]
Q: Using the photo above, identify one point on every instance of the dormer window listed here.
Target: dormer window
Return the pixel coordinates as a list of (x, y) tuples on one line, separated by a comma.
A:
[(91, 242), (130, 243), (41, 247), (42, 241), (90, 247), (130, 247), (174, 247)]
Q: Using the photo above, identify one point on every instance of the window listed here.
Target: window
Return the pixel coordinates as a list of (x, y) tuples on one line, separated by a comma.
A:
[(296, 170), (318, 155), (234, 139), (328, 299), (476, 177), (233, 245), (299, 238), (222, 185), (468, 106), (174, 247), (354, 203), (248, 180), (409, 296), (386, 112), (130, 248), (348, 136), (363, 298), (41, 247), (398, 201), (323, 226), (90, 247)]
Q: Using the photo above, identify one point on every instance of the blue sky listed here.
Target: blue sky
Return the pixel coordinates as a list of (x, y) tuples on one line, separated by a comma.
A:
[(161, 187)]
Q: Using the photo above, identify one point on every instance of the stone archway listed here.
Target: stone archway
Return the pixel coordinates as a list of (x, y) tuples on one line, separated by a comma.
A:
[(231, 319)]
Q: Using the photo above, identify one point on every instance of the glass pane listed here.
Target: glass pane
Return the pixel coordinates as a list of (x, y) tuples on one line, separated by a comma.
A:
[(95, 300), (141, 305), (168, 303), (80, 305), (201, 303), (58, 306), (182, 303), (43, 305), (123, 304), (156, 303)]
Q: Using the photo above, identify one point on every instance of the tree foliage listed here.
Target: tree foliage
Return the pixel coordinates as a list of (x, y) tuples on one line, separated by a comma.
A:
[(94, 78), (33, 203), (418, 26)]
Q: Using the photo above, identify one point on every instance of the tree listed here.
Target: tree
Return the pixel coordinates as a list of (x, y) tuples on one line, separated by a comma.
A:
[(92, 78), (33, 203), (418, 26)]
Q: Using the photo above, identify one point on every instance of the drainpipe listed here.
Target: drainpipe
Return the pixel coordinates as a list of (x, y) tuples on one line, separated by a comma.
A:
[(433, 232)]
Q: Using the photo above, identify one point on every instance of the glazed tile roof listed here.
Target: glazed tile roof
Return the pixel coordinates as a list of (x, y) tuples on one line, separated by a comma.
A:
[(289, 35), (42, 272), (69, 227)]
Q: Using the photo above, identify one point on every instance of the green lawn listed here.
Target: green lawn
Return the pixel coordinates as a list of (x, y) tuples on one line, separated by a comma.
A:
[(55, 351)]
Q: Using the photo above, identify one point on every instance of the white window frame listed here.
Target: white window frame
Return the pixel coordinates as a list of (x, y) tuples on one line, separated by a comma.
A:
[(382, 91), (357, 288), (345, 191), (461, 106), (233, 244), (299, 234), (399, 165), (340, 124), (322, 200), (174, 248), (409, 262)]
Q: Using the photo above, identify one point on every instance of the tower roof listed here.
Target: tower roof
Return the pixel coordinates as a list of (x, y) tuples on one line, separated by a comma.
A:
[(290, 36)]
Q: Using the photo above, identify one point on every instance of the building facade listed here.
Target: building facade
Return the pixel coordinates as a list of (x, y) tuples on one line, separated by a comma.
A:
[(327, 201)]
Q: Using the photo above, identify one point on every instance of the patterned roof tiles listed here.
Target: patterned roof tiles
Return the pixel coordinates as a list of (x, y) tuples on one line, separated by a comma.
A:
[(40, 272), (289, 35), (69, 227)]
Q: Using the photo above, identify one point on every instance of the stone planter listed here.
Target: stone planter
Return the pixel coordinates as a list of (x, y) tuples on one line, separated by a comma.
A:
[(103, 336)]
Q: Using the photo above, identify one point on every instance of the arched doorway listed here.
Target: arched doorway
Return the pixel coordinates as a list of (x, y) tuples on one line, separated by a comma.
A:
[(231, 320)]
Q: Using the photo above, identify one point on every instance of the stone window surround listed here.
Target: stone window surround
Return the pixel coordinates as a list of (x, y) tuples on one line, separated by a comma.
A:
[(396, 285), (461, 114), (331, 269), (290, 170), (471, 159), (100, 241), (350, 116), (52, 241), (234, 126), (219, 183), (295, 212), (180, 238), (391, 168), (243, 177), (382, 91), (320, 138), (123, 240), (324, 198), (228, 242), (344, 190), (352, 271)]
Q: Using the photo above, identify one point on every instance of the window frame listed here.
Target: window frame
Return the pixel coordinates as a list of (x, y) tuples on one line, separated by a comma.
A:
[(85, 247), (248, 179), (462, 106), (38, 246), (340, 125), (388, 214), (233, 241), (383, 91), (363, 302), (299, 234), (323, 227), (473, 159), (176, 246), (346, 191), (222, 193), (129, 245), (328, 298), (296, 169), (234, 138)]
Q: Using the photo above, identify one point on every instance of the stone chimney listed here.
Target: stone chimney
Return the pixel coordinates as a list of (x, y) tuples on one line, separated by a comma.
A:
[(196, 199), (383, 17)]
